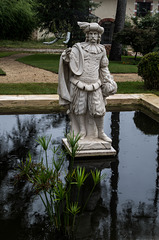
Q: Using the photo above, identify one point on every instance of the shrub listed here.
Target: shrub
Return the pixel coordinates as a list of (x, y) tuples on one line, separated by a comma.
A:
[(141, 33), (148, 69), (17, 19)]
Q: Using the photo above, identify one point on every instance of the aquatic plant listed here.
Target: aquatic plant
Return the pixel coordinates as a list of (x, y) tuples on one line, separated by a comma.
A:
[(56, 195)]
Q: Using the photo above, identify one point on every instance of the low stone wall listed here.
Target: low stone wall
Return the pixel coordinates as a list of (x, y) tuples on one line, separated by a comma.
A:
[(49, 103)]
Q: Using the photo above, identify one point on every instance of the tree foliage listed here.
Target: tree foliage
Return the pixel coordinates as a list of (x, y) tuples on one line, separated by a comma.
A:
[(141, 33), (62, 16), (17, 19)]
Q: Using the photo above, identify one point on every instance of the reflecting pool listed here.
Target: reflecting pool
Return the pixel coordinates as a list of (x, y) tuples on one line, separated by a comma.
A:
[(124, 206)]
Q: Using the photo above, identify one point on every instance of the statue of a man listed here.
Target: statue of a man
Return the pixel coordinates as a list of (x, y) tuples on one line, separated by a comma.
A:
[(85, 82)]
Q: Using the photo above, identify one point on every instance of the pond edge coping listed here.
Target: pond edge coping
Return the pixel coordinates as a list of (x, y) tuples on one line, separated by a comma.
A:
[(16, 102)]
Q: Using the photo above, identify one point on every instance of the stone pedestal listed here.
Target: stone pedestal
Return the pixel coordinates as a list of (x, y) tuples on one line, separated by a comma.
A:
[(91, 148)]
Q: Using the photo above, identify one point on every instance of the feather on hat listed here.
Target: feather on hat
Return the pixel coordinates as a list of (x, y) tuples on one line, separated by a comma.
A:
[(86, 27)]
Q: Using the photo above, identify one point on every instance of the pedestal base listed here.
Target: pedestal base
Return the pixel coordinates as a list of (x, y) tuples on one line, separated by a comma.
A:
[(91, 148)]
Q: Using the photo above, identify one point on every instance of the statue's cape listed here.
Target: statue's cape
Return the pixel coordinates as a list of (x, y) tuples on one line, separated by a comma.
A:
[(65, 72), (63, 83)]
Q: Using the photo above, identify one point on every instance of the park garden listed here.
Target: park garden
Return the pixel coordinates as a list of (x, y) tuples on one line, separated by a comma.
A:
[(50, 62), (45, 193), (140, 34)]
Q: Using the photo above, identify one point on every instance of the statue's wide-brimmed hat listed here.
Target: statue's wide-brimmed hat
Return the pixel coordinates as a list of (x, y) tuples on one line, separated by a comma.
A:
[(87, 27)]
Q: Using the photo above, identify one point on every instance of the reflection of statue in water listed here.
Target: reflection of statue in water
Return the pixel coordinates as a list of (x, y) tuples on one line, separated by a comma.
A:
[(85, 82)]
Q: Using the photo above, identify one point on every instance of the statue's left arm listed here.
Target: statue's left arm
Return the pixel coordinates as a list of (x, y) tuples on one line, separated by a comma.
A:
[(105, 75), (109, 86)]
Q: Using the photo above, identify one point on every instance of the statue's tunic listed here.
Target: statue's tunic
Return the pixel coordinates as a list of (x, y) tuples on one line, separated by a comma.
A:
[(89, 67)]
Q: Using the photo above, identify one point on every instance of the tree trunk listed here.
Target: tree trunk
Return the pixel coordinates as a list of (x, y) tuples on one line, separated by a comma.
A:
[(116, 48)]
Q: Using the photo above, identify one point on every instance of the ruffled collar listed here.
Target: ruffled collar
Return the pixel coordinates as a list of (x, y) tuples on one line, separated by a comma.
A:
[(92, 48)]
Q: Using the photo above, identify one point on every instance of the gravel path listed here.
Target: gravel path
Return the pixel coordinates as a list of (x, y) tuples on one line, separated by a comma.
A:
[(17, 72)]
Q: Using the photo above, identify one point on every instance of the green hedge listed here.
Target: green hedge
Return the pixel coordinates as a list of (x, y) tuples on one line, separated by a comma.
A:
[(148, 69)]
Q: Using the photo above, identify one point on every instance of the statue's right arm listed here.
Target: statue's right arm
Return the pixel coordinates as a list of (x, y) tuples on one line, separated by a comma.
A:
[(66, 55), (71, 56)]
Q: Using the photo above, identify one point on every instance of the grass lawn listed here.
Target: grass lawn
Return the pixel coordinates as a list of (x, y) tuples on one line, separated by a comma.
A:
[(134, 87), (27, 88), (51, 62), (32, 44), (116, 67), (51, 88), (127, 65), (2, 73), (45, 61), (6, 54)]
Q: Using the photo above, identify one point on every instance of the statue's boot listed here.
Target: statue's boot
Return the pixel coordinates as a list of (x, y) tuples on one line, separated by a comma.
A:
[(81, 120), (100, 125)]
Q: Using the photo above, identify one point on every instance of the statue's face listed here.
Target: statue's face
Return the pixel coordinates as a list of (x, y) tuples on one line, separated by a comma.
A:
[(93, 36)]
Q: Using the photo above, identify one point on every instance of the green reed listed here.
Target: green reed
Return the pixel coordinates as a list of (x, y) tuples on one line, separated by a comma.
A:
[(55, 194)]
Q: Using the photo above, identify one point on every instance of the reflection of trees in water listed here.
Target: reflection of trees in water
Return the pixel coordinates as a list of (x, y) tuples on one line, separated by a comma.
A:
[(15, 202), (141, 221), (23, 137), (133, 222), (115, 119), (146, 124), (15, 207), (137, 222), (150, 127), (4, 164), (157, 178), (155, 203), (56, 119), (3, 145), (16, 144), (25, 132)]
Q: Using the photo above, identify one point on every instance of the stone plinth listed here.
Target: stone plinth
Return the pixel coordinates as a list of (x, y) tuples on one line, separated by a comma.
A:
[(91, 148)]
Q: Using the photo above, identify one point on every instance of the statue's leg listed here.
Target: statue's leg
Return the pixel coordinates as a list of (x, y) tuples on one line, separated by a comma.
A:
[(100, 126), (82, 126)]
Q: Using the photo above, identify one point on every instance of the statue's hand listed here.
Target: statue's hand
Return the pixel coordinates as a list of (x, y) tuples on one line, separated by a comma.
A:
[(66, 54), (109, 79), (109, 88), (68, 51)]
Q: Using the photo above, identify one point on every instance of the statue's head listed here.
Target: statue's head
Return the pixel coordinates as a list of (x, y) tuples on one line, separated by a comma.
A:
[(93, 31)]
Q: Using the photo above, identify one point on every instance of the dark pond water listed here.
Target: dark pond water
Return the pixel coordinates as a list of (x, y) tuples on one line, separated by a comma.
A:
[(125, 206)]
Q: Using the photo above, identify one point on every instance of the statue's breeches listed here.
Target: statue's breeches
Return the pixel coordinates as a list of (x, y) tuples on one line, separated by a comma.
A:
[(83, 101)]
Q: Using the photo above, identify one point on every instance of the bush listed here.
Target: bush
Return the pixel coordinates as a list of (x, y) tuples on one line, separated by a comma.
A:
[(17, 19), (141, 33), (148, 69)]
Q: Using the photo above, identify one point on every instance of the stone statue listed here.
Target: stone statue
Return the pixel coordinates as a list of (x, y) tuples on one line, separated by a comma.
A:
[(85, 82)]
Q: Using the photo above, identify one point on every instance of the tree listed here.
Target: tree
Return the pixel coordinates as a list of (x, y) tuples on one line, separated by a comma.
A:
[(16, 21), (141, 33), (62, 16), (116, 48)]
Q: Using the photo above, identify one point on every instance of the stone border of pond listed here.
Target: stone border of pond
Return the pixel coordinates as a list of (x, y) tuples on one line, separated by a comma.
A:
[(48, 103), (149, 101)]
